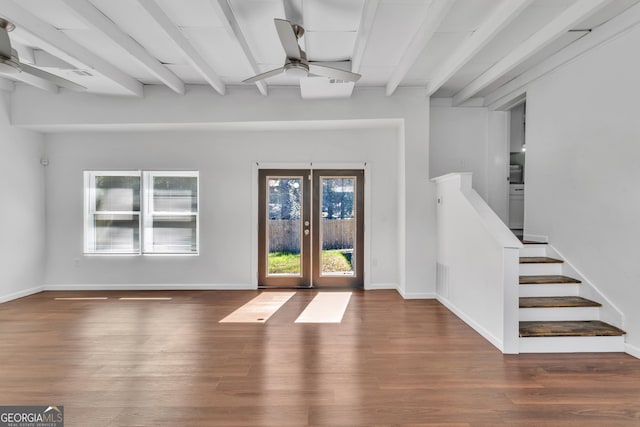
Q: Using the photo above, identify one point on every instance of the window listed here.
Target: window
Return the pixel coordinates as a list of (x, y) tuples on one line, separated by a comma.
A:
[(112, 222), (171, 212), (115, 216)]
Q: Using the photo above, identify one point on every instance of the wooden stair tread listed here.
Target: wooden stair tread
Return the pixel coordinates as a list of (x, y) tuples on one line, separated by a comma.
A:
[(539, 260), (552, 302), (574, 328), (529, 242), (546, 280)]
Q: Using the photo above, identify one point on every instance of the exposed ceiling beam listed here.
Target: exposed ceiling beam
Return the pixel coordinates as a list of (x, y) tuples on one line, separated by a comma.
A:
[(223, 9), (190, 53), (503, 15), (600, 35), (95, 19), (564, 22), (435, 13), (59, 44), (366, 22)]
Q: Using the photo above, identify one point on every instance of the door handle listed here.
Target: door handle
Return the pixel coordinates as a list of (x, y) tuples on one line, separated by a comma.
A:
[(306, 231)]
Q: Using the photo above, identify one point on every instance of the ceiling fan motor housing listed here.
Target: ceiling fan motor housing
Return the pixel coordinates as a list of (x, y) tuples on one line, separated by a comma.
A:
[(296, 69)]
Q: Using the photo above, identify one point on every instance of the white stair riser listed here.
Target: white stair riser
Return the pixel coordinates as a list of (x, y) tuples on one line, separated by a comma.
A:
[(549, 290), (540, 269), (560, 313), (571, 344), (533, 250)]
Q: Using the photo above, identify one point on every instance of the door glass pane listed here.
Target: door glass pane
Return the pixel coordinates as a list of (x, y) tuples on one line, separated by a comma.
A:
[(338, 226), (284, 212)]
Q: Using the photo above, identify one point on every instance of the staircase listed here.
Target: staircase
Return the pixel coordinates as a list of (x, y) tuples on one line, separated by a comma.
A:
[(554, 318)]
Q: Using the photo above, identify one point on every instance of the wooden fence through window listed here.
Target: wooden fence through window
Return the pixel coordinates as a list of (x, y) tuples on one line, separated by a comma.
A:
[(284, 234)]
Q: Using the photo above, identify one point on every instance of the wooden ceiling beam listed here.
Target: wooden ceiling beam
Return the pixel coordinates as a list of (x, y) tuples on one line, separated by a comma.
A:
[(564, 22), (95, 19), (225, 13), (364, 29), (502, 16), (190, 53), (434, 15), (59, 44)]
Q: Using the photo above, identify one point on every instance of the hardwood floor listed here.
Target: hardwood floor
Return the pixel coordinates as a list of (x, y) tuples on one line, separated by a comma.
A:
[(391, 362)]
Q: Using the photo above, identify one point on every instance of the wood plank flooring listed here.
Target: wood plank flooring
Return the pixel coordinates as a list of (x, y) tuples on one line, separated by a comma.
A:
[(391, 362)]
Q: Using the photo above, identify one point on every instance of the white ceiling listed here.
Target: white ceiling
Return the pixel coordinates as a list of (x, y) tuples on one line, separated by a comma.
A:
[(454, 48)]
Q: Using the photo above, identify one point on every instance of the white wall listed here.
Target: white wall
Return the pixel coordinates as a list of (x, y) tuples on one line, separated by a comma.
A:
[(227, 162), (23, 208), (498, 166), (477, 262), (244, 108), (459, 141), (582, 178), (472, 139)]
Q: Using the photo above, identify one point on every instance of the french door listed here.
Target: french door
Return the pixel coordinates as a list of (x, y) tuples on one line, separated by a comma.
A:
[(311, 228)]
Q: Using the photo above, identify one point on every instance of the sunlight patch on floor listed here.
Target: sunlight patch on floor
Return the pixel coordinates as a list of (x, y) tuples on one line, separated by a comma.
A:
[(326, 307), (259, 309)]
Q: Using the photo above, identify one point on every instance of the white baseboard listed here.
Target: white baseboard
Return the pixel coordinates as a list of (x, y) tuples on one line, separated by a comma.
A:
[(417, 295), (20, 294), (535, 238), (466, 319), (632, 350), (378, 286), (150, 287)]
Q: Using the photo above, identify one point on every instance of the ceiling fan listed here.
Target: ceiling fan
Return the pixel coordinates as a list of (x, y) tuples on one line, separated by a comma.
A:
[(10, 64), (296, 63)]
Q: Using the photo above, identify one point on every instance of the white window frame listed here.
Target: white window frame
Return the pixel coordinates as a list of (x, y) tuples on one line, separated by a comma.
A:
[(145, 215), (90, 213), (149, 211)]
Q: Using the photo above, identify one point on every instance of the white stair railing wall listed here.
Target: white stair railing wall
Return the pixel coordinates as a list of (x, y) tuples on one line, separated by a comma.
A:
[(478, 262)]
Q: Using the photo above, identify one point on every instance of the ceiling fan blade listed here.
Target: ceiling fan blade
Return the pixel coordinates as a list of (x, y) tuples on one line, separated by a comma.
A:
[(30, 79), (288, 39), (51, 77), (264, 75), (333, 73)]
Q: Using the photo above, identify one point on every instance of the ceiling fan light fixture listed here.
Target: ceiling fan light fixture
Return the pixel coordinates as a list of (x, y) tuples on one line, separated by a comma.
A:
[(296, 69), (296, 64)]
